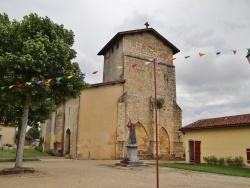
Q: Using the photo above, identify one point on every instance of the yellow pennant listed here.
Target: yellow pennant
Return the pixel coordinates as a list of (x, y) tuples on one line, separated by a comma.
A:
[(48, 80), (120, 67), (201, 54), (69, 77), (171, 58), (11, 86)]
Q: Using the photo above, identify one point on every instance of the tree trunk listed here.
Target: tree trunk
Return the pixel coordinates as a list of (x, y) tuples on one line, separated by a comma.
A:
[(19, 157), (19, 126)]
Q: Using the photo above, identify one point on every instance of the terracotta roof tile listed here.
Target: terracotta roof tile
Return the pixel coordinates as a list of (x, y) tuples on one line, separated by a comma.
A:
[(228, 121)]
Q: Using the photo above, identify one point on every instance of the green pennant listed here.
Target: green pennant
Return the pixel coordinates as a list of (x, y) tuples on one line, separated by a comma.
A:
[(187, 57), (59, 79), (107, 70), (2, 88)]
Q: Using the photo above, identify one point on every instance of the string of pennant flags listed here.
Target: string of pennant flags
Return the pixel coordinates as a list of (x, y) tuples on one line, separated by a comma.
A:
[(107, 70), (38, 82), (216, 53)]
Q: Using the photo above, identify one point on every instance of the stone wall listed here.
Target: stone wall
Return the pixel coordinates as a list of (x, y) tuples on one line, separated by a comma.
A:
[(112, 60), (71, 127)]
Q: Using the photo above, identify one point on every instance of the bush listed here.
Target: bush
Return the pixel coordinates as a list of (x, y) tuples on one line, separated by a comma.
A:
[(39, 148), (206, 159), (210, 160), (49, 152), (221, 161), (213, 160), (238, 161), (230, 161)]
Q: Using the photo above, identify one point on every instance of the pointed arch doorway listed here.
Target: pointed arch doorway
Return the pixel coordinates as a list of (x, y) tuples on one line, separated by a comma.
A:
[(67, 143), (142, 140), (164, 142)]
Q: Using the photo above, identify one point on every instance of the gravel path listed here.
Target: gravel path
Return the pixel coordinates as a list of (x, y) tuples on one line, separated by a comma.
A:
[(103, 173)]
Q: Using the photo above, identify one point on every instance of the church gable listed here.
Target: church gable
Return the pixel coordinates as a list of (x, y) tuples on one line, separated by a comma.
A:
[(120, 35)]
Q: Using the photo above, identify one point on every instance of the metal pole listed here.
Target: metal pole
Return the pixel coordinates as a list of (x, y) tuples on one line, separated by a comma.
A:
[(156, 131)]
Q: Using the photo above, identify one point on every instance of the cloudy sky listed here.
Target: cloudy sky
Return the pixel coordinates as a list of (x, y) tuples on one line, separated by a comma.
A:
[(208, 86)]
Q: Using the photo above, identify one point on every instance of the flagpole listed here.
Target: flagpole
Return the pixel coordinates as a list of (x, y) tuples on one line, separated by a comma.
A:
[(156, 130)]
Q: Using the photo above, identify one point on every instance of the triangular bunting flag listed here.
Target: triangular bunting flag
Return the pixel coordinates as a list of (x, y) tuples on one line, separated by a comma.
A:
[(11, 86), (217, 53), (158, 61), (58, 79), (69, 76), (171, 58), (28, 83), (201, 54), (147, 62), (3, 87), (95, 72), (48, 80), (234, 52), (107, 70), (119, 67), (134, 65), (187, 57), (38, 82), (83, 74), (19, 85)]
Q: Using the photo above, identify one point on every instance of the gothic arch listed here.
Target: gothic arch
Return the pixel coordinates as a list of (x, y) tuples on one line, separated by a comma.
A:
[(142, 138), (67, 141), (164, 141)]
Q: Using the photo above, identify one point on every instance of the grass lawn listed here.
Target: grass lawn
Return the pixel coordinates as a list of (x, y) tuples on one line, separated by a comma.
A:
[(27, 153), (216, 169)]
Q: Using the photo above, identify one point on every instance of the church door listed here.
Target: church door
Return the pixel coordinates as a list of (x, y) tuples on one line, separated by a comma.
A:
[(248, 155), (197, 153), (194, 151)]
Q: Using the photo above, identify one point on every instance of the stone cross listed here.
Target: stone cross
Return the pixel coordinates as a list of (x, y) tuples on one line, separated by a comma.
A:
[(146, 24)]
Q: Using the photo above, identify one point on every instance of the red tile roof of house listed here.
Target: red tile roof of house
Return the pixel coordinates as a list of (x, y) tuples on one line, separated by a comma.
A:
[(220, 122)]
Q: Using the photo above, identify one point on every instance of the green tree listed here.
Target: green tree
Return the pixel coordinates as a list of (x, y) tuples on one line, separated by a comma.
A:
[(32, 52), (33, 132)]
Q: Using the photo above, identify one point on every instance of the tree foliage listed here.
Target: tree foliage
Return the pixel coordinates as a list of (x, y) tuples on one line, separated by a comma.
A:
[(33, 132), (32, 51)]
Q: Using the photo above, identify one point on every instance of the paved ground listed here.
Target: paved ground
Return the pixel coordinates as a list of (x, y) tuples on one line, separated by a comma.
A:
[(59, 172)]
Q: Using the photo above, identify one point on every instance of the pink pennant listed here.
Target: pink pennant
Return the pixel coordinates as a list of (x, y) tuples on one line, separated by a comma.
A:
[(158, 61)]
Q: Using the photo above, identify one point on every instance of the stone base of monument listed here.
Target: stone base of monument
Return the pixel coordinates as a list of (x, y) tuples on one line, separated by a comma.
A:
[(131, 164), (132, 158), (18, 170)]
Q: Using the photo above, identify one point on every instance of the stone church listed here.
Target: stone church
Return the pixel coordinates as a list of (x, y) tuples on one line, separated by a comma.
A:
[(93, 126)]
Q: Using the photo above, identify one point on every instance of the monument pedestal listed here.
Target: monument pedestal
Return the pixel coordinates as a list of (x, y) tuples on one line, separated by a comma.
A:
[(132, 158)]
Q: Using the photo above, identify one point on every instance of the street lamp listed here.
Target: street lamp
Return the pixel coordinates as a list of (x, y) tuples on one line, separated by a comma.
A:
[(248, 56)]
